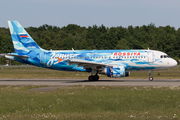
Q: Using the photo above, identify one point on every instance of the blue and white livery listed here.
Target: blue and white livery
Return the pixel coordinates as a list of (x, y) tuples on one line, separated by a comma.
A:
[(113, 63)]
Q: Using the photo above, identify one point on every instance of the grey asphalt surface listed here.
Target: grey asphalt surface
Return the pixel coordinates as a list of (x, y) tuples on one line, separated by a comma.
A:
[(105, 82)]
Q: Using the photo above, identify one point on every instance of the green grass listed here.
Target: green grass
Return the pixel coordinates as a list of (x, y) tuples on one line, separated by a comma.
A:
[(42, 73), (90, 102)]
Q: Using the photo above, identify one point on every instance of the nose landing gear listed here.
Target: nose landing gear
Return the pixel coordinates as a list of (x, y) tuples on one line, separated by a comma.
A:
[(150, 76)]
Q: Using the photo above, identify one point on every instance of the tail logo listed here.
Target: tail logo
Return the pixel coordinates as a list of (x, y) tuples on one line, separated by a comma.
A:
[(23, 35)]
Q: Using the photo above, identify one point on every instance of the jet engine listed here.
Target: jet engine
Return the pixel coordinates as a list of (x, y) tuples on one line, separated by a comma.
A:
[(115, 71)]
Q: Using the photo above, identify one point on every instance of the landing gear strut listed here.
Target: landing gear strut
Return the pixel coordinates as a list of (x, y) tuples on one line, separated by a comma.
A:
[(150, 76), (93, 77)]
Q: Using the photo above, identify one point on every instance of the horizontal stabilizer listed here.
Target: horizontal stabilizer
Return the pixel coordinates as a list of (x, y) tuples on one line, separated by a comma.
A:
[(20, 56)]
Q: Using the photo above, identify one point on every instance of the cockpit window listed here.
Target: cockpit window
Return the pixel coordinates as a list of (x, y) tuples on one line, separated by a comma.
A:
[(164, 56)]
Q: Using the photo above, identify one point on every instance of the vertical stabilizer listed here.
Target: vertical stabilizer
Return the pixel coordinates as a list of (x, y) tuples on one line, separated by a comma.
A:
[(22, 41)]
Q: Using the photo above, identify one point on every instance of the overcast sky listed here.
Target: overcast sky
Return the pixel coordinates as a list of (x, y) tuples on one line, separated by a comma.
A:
[(110, 13)]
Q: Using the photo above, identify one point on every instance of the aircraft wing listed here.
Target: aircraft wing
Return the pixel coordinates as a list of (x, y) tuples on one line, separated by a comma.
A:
[(88, 64)]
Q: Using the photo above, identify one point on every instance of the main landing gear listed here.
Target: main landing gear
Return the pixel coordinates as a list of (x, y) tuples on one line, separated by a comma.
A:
[(93, 77), (150, 76)]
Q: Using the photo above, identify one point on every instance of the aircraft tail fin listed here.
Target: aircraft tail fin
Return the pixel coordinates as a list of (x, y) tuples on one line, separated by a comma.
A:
[(22, 41)]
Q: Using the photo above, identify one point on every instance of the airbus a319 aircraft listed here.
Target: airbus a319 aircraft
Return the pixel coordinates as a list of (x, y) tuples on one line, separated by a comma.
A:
[(113, 63)]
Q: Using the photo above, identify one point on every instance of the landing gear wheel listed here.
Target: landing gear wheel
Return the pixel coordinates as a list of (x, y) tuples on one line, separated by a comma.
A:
[(96, 77), (150, 78), (91, 78)]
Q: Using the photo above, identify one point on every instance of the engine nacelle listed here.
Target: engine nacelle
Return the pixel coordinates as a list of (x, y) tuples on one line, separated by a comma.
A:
[(115, 71)]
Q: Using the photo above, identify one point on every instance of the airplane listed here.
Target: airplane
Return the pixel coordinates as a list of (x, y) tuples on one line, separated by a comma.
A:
[(113, 63)]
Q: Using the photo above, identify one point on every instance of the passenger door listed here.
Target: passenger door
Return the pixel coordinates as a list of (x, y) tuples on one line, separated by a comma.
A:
[(150, 58)]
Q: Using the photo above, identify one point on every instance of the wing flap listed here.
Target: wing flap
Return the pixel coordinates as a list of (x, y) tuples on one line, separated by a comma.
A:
[(88, 64)]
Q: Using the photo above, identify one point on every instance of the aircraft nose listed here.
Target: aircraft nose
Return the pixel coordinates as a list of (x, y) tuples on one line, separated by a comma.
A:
[(173, 62)]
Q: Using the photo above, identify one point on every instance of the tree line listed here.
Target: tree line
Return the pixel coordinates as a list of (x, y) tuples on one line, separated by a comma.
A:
[(166, 39)]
